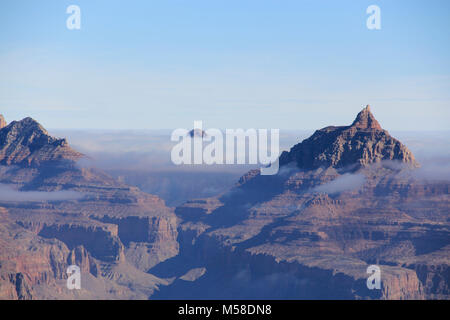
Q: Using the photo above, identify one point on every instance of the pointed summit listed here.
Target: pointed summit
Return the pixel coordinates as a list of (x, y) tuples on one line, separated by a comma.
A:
[(197, 133), (366, 120), (2, 122), (360, 144), (27, 143)]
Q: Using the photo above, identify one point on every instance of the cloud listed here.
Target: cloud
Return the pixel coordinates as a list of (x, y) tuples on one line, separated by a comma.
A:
[(431, 169), (139, 150), (346, 182), (8, 194), (434, 171)]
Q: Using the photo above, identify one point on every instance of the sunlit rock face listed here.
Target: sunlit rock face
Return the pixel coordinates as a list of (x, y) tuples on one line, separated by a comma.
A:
[(2, 122)]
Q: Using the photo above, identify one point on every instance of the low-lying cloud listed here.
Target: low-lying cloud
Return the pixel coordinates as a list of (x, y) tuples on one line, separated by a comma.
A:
[(8, 194), (346, 182), (434, 170)]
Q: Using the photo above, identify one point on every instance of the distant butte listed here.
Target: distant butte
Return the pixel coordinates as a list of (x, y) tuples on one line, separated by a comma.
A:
[(197, 133)]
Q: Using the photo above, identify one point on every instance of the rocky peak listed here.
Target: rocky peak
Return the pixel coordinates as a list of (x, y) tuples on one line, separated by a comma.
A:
[(197, 133), (366, 120), (27, 143), (2, 122), (360, 144)]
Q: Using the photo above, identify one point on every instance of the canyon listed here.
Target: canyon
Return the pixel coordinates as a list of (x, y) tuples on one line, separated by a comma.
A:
[(113, 231), (345, 198)]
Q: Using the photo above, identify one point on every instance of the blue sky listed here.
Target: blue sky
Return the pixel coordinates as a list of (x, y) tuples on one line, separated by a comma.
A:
[(233, 64)]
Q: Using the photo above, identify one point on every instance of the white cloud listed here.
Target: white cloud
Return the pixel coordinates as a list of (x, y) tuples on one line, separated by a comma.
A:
[(346, 182), (9, 194)]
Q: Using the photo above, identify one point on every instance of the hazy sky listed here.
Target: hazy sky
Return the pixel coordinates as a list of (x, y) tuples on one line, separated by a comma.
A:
[(233, 64)]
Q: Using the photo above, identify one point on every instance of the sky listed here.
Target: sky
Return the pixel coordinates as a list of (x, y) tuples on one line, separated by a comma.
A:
[(232, 64)]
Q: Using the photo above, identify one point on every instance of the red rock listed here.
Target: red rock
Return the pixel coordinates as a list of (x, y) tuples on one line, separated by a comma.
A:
[(2, 122)]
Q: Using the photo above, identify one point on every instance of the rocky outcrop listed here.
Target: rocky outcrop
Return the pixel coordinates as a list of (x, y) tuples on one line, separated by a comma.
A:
[(27, 143), (27, 261), (82, 258), (433, 271), (358, 145), (194, 209), (102, 242), (2, 122), (148, 240), (366, 121)]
